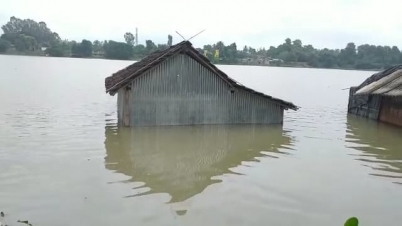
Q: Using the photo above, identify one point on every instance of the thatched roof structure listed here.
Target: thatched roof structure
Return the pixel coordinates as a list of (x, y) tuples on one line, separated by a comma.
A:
[(387, 83), (125, 76)]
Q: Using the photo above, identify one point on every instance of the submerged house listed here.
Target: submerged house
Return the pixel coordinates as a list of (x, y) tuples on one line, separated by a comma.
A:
[(180, 86), (379, 97)]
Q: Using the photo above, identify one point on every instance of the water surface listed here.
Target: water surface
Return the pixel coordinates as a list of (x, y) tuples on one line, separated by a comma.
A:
[(64, 161)]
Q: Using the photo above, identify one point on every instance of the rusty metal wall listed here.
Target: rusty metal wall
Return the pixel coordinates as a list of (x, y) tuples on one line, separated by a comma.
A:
[(182, 92), (367, 106), (391, 110)]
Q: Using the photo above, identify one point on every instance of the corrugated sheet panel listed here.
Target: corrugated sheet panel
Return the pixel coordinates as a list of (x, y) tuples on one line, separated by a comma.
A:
[(182, 92), (391, 110), (367, 106), (120, 97), (390, 85)]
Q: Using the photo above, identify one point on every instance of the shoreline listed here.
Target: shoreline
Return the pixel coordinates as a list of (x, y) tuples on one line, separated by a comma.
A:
[(231, 64)]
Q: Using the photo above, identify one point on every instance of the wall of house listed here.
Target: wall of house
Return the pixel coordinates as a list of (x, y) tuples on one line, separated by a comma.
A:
[(391, 110), (124, 106), (367, 106), (182, 92), (120, 95)]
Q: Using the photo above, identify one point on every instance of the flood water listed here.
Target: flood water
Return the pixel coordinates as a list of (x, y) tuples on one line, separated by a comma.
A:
[(64, 161)]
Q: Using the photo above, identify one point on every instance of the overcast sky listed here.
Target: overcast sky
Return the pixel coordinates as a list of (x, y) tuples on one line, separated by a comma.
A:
[(258, 23)]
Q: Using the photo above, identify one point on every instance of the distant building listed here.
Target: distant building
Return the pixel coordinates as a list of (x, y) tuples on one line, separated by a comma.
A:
[(180, 86), (275, 61), (379, 97), (98, 54)]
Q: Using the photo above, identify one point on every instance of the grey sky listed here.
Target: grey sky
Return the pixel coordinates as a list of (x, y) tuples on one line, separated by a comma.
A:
[(258, 23)]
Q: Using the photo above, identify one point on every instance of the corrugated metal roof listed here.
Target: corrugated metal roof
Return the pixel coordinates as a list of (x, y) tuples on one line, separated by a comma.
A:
[(390, 85)]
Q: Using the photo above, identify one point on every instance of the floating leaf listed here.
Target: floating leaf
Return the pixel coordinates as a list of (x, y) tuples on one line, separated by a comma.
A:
[(353, 221)]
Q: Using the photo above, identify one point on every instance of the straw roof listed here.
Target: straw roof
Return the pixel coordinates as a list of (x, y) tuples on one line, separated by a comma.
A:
[(387, 83)]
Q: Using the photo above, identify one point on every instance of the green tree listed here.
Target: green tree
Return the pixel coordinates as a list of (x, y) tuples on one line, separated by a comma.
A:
[(327, 58), (162, 46), (61, 49), (39, 31), (86, 48), (118, 50), (97, 46), (4, 45), (348, 55), (55, 50), (272, 52), (287, 56), (395, 55), (139, 50), (150, 46), (129, 37), (284, 51), (210, 51), (252, 51), (170, 40), (83, 49), (208, 48), (297, 43), (231, 53), (25, 43)]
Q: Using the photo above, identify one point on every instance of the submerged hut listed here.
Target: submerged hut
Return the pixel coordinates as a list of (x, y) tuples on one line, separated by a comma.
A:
[(179, 86), (379, 97)]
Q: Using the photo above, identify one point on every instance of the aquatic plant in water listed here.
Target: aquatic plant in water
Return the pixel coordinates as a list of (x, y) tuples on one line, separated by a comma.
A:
[(353, 221)]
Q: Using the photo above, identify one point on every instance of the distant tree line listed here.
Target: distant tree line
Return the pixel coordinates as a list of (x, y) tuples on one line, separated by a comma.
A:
[(293, 53), (26, 36)]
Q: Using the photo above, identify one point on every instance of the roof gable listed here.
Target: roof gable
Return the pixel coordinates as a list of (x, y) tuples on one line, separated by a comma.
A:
[(123, 77)]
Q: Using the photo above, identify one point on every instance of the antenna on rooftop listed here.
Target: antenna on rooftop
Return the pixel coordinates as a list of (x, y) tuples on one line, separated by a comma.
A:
[(191, 36), (181, 36), (195, 35)]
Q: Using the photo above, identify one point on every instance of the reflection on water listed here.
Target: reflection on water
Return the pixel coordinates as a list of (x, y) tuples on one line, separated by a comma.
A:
[(379, 144), (183, 161)]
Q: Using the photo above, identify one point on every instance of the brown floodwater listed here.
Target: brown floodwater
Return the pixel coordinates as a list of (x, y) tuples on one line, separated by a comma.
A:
[(64, 160)]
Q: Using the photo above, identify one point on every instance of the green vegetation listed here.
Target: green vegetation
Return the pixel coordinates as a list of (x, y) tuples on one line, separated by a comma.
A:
[(83, 49), (118, 50), (353, 221), (26, 36), (4, 45)]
